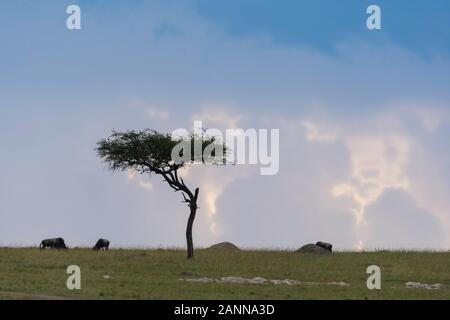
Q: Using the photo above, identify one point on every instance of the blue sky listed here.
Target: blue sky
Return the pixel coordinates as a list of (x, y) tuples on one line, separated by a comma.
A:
[(363, 118), (416, 25)]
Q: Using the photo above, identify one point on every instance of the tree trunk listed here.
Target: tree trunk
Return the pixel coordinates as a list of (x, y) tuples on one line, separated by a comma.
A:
[(190, 243)]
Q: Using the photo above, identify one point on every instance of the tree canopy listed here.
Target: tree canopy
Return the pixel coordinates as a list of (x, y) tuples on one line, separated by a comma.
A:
[(152, 152)]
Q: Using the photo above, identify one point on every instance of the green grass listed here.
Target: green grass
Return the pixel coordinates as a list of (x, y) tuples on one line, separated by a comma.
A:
[(155, 274)]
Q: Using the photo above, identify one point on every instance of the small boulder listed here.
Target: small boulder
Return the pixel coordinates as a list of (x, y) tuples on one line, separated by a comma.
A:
[(325, 245), (313, 249), (224, 245)]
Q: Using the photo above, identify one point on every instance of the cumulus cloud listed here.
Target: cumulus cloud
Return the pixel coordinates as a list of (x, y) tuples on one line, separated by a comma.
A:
[(378, 163), (150, 111), (218, 117), (383, 157), (314, 133), (157, 114), (142, 181), (431, 118)]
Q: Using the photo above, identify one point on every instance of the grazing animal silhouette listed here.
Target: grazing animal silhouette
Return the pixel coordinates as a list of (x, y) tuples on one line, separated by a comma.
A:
[(57, 243), (101, 244)]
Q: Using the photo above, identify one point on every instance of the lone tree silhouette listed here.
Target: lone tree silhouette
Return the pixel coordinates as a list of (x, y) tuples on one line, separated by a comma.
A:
[(151, 152)]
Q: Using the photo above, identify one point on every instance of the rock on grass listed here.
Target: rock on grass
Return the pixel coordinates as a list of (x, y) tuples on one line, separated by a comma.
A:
[(313, 249), (224, 245)]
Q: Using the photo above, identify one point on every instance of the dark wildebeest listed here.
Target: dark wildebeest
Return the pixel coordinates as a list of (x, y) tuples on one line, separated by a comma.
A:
[(101, 244), (57, 243), (325, 245)]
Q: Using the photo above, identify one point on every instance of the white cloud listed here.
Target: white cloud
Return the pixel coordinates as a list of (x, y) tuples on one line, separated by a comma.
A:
[(218, 117), (430, 189), (153, 112), (157, 114), (314, 133), (378, 163), (141, 180), (430, 118)]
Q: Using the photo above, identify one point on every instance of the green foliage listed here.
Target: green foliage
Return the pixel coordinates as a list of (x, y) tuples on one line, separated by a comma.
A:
[(151, 151)]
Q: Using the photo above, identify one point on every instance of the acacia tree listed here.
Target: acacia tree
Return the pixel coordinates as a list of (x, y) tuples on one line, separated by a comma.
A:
[(151, 152)]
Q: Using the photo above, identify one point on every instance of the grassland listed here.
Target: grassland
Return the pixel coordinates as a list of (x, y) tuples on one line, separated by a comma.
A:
[(27, 273)]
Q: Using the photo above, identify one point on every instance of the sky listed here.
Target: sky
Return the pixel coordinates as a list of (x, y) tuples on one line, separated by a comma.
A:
[(363, 118)]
